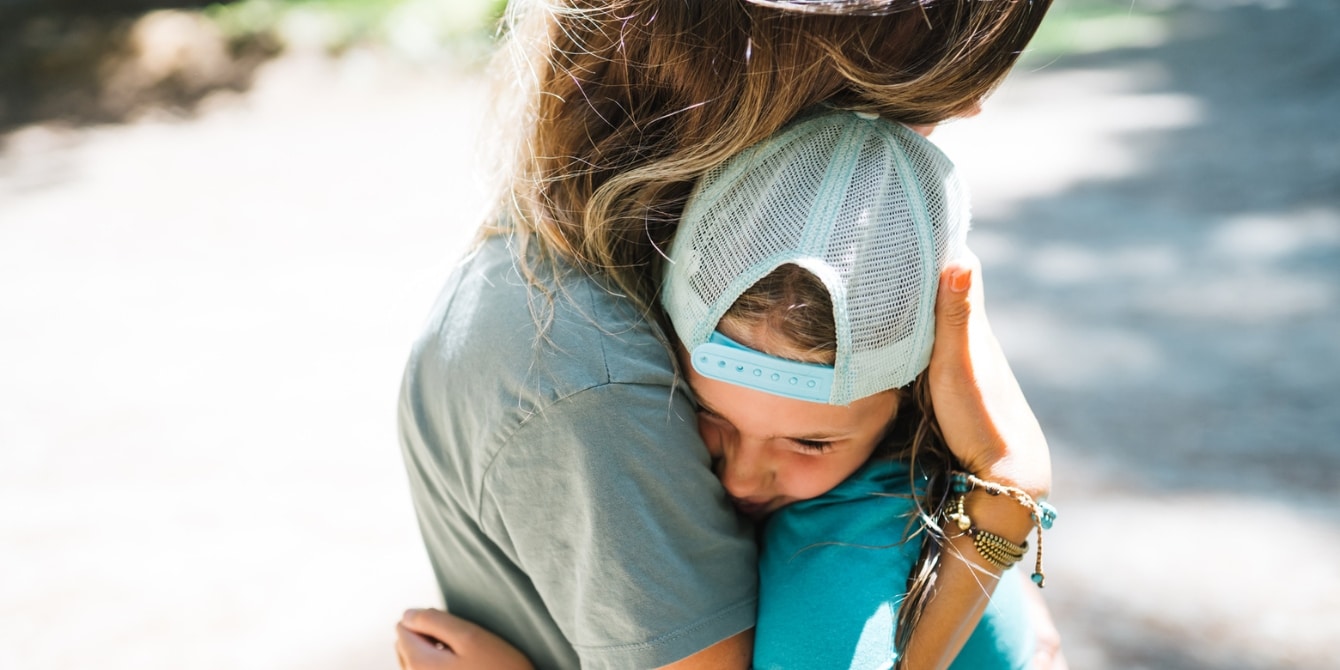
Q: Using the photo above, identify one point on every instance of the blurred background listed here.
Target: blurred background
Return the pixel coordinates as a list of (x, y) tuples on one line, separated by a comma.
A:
[(222, 224)]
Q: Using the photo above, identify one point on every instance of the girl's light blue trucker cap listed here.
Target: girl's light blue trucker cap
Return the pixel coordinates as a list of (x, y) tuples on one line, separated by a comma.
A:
[(868, 206)]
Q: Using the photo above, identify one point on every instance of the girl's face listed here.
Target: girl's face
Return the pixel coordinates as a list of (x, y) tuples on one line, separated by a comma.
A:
[(770, 451)]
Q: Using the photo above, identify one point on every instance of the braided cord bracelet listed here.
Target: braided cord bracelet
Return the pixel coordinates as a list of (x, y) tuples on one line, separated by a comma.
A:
[(995, 549)]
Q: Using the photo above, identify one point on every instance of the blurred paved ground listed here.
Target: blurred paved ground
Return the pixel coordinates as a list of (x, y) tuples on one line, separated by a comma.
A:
[(202, 325)]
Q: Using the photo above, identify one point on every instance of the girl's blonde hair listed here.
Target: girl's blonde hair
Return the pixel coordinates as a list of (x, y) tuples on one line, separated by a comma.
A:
[(795, 305), (620, 105)]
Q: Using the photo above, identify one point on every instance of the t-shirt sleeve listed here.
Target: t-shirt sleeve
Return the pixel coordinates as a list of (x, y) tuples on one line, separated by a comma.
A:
[(831, 580), (607, 501)]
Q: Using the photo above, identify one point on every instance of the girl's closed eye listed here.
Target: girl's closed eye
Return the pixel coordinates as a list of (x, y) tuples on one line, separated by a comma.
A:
[(816, 446)]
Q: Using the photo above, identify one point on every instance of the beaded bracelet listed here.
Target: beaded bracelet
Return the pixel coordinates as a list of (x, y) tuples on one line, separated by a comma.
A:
[(998, 549)]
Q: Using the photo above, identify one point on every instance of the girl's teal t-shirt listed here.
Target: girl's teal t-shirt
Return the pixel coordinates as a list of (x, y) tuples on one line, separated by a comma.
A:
[(834, 571)]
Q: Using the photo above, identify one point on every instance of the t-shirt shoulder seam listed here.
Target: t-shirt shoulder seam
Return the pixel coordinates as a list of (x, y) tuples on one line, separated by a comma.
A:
[(505, 440)]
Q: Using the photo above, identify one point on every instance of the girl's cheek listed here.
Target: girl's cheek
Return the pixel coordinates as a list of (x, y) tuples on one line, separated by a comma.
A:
[(802, 476)]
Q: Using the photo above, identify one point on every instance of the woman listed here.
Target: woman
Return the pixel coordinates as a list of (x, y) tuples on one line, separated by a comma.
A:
[(563, 492)]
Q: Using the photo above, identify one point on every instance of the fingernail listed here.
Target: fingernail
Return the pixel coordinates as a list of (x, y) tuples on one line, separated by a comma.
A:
[(960, 281), (409, 614)]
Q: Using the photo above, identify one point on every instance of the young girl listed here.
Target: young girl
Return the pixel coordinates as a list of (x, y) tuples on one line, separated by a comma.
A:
[(563, 492), (802, 286)]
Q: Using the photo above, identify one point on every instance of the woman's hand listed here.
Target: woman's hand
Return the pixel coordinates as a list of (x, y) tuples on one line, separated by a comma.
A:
[(983, 415), (435, 640)]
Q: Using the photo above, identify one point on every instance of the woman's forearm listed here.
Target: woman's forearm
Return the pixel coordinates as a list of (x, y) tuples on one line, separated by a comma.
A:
[(964, 583)]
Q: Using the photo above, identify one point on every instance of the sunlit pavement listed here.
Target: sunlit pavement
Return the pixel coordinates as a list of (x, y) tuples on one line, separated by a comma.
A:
[(202, 324)]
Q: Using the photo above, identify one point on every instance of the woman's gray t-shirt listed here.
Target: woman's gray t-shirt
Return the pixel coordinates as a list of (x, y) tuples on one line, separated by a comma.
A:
[(564, 496)]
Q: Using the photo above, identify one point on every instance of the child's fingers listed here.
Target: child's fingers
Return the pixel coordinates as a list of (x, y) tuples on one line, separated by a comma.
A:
[(417, 652), (455, 632), (464, 645)]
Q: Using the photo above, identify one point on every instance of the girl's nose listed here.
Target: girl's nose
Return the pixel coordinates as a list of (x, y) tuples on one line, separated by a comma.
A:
[(743, 471)]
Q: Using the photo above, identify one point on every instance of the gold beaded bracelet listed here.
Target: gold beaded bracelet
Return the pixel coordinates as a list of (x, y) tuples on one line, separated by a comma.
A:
[(997, 550), (994, 548)]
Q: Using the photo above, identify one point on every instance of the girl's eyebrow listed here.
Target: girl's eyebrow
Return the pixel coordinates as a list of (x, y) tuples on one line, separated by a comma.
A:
[(819, 436)]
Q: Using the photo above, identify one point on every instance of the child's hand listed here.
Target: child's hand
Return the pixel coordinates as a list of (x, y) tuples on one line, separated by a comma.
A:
[(435, 640), (984, 417)]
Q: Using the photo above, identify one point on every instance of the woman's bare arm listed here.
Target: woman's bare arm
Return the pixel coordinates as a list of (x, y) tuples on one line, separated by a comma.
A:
[(990, 427)]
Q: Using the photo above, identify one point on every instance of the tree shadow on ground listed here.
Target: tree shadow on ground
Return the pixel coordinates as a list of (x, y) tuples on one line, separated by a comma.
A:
[(1177, 323), (89, 61), (1198, 295)]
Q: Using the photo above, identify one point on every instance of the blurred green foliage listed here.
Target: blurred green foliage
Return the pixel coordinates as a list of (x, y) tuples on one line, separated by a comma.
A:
[(416, 29), (424, 28), (90, 61), (1089, 26), (99, 61)]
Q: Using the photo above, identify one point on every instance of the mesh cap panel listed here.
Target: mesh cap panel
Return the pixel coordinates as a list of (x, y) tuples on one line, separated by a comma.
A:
[(872, 209)]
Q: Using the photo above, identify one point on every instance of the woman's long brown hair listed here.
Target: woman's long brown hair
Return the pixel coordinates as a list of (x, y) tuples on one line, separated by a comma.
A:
[(616, 107)]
